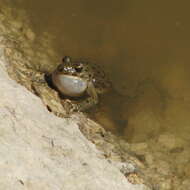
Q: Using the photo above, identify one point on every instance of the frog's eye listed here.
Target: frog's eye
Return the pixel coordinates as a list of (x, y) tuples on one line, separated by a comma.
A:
[(66, 59), (79, 67)]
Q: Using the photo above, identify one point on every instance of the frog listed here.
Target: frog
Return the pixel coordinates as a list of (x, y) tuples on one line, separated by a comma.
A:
[(80, 82)]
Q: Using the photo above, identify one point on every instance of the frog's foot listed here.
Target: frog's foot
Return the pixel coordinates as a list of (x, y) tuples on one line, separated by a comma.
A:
[(72, 106), (86, 104)]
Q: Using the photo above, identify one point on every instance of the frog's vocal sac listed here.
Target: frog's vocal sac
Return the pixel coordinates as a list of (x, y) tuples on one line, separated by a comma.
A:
[(77, 78)]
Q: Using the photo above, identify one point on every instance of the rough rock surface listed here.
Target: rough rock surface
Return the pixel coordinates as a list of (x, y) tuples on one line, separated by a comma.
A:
[(42, 151)]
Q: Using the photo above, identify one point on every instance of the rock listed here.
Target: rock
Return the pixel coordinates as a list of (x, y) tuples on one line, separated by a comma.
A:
[(30, 34), (166, 184), (149, 159), (163, 167), (185, 184), (105, 120), (170, 141), (138, 147), (142, 125), (187, 170), (144, 113), (16, 24)]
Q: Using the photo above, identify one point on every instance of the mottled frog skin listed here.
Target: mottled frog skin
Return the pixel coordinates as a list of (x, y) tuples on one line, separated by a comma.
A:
[(80, 80)]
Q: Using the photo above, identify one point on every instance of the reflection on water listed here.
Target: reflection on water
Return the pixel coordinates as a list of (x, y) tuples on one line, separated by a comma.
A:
[(143, 44)]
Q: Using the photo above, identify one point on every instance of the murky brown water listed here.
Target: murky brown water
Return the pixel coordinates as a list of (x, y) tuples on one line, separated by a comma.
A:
[(143, 44)]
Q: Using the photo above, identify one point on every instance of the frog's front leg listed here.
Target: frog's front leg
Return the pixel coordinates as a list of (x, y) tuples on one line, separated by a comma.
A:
[(91, 90), (91, 100), (74, 106)]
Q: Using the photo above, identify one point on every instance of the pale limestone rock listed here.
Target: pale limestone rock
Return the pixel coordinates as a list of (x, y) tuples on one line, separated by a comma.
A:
[(41, 151)]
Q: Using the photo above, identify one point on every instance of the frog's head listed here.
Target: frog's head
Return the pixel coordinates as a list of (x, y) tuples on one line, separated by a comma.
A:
[(67, 78), (70, 68)]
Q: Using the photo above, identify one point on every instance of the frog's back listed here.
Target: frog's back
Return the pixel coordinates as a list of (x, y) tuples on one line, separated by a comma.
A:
[(100, 80)]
